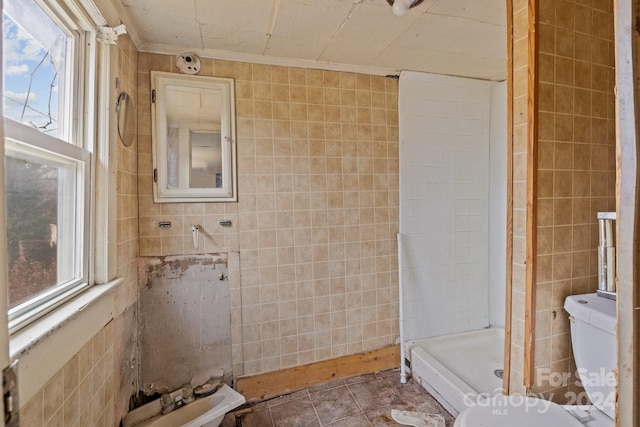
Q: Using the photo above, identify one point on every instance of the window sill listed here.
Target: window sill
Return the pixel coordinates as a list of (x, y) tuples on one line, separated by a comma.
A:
[(46, 345)]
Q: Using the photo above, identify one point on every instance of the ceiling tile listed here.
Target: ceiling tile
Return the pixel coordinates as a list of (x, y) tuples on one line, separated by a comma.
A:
[(216, 37), (480, 39), (457, 64), (303, 28), (479, 10), (237, 26), (432, 32), (370, 29), (402, 58), (136, 4), (459, 37), (237, 15), (170, 7), (166, 28), (499, 17)]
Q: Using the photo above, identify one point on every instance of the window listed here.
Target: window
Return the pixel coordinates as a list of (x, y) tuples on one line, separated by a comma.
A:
[(47, 50)]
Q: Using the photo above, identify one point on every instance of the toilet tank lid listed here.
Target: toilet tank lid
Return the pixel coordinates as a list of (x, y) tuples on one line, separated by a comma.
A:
[(594, 310)]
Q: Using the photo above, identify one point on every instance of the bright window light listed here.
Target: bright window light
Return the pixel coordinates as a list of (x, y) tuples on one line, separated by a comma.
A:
[(47, 161)]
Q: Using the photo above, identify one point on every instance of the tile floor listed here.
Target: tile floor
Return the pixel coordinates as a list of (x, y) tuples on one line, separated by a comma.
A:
[(361, 401)]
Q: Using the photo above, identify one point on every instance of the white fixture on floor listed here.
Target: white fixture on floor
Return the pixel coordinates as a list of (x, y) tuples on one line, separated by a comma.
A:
[(206, 411), (455, 367), (593, 329), (401, 7), (417, 419)]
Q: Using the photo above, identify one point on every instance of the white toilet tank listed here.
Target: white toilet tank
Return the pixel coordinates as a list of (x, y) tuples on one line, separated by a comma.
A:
[(593, 338)]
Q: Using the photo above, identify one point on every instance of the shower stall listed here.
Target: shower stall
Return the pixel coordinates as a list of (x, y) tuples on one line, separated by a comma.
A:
[(453, 233)]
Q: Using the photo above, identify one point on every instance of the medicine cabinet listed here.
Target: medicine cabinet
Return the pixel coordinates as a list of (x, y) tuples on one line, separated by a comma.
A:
[(193, 138)]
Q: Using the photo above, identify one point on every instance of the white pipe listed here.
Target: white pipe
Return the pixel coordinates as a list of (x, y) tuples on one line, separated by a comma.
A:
[(403, 368)]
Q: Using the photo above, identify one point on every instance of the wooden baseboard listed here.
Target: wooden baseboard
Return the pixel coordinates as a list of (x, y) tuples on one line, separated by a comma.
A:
[(272, 384)]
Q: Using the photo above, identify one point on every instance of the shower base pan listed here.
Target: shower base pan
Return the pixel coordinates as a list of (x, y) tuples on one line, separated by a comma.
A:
[(457, 369)]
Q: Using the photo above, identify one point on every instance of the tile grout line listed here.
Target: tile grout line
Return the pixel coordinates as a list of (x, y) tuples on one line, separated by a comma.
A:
[(314, 407), (303, 396), (357, 403), (271, 416)]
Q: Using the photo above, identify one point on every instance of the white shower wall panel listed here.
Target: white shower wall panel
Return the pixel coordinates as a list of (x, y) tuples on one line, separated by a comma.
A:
[(498, 204), (444, 202)]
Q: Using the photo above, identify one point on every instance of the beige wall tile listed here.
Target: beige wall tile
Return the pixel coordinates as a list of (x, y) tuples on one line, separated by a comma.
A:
[(574, 167), (81, 393), (314, 175)]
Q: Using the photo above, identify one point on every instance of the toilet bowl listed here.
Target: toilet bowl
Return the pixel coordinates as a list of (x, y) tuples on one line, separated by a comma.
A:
[(521, 411), (206, 411), (593, 339)]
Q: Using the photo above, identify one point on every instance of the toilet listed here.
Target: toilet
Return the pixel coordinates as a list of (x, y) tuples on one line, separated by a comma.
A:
[(593, 329)]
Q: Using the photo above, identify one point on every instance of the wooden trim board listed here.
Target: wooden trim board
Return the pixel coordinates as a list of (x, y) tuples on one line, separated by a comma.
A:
[(628, 211), (532, 185), (509, 246), (272, 384)]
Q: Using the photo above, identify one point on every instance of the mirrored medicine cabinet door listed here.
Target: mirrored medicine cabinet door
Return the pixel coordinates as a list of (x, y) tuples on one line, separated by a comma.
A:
[(193, 133)]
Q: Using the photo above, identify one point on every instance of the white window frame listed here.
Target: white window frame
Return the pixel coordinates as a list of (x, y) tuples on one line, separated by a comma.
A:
[(79, 131), (73, 202)]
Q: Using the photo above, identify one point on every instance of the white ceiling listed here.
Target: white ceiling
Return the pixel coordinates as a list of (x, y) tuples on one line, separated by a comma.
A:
[(456, 37)]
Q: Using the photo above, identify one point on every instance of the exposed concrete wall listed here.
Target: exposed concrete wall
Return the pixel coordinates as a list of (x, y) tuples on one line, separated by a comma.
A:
[(125, 350), (184, 321)]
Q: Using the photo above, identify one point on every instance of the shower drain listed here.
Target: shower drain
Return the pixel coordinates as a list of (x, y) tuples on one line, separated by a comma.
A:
[(499, 373)]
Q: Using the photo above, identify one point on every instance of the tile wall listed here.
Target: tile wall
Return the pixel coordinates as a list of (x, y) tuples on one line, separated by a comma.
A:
[(576, 169), (576, 174), (312, 250), (126, 179), (125, 310), (81, 393)]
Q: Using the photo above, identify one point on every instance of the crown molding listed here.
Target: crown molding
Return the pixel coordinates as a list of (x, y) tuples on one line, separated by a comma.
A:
[(268, 60)]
